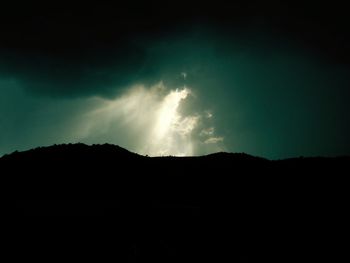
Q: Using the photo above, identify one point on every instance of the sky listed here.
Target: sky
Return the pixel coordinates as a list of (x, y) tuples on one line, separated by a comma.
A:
[(267, 78)]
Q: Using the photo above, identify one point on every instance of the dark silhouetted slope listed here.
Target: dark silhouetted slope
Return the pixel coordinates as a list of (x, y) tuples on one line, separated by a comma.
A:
[(188, 209)]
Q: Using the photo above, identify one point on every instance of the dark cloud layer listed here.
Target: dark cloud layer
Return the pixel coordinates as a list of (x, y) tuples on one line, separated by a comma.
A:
[(274, 73), (67, 49)]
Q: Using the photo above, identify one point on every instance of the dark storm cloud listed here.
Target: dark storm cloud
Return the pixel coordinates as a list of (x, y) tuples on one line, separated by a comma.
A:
[(85, 72), (275, 74), (67, 49), (70, 51)]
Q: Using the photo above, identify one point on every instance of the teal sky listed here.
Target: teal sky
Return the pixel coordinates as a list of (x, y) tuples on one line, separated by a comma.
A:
[(251, 89)]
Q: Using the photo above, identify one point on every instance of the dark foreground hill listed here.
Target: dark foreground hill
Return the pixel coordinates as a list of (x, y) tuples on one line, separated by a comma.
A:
[(189, 209)]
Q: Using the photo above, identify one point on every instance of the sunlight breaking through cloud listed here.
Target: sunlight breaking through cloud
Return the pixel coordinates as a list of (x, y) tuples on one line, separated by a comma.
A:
[(154, 122), (171, 132)]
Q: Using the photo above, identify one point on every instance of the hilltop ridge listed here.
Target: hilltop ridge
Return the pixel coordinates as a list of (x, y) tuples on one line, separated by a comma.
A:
[(183, 209)]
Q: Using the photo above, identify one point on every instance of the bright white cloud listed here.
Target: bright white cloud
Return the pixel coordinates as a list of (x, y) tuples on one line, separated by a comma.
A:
[(212, 140), (167, 117), (207, 132), (208, 114), (148, 121)]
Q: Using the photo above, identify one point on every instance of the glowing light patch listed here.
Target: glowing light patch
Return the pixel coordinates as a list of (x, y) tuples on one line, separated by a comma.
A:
[(168, 113), (148, 121), (213, 140), (171, 132), (207, 132)]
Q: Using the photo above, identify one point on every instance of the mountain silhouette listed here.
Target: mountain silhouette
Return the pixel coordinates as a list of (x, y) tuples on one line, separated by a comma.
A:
[(185, 209)]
